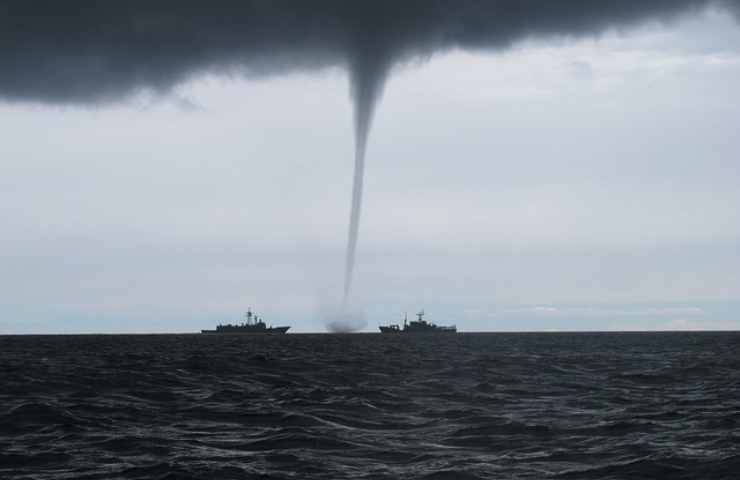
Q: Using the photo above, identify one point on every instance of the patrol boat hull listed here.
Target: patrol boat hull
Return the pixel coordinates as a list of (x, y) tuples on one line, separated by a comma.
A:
[(417, 326)]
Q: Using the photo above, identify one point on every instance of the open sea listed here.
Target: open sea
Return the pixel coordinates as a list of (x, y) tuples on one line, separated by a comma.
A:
[(366, 406)]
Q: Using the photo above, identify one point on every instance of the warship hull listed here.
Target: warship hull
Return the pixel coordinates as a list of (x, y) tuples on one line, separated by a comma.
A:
[(247, 331)]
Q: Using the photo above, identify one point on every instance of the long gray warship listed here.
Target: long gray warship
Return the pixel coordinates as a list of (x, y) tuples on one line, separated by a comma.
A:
[(254, 324)]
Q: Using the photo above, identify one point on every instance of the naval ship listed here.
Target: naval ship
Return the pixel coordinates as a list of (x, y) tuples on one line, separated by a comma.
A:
[(417, 326), (253, 324)]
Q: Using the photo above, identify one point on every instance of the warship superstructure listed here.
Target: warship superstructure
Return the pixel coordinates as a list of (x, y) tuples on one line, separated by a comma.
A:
[(417, 326), (253, 324)]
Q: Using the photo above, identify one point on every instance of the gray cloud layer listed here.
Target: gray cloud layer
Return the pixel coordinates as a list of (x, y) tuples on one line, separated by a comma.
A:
[(88, 51)]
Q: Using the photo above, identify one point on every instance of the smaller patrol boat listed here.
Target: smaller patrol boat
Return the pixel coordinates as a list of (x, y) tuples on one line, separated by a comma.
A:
[(254, 324), (417, 326)]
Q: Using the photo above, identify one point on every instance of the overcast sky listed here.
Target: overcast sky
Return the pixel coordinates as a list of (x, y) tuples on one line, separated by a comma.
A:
[(582, 183)]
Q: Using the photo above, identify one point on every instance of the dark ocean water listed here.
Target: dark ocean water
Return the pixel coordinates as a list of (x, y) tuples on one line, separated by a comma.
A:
[(466, 406)]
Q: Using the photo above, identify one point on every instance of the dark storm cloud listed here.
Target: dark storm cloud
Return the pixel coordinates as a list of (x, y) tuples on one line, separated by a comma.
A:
[(90, 51)]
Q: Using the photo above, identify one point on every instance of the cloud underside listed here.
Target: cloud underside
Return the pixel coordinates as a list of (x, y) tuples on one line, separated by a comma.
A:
[(91, 52)]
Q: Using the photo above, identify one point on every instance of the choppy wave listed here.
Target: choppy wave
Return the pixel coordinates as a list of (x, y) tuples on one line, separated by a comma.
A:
[(467, 406)]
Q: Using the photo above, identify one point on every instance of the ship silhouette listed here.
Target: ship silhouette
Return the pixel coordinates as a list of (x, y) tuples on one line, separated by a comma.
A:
[(253, 324), (417, 326)]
